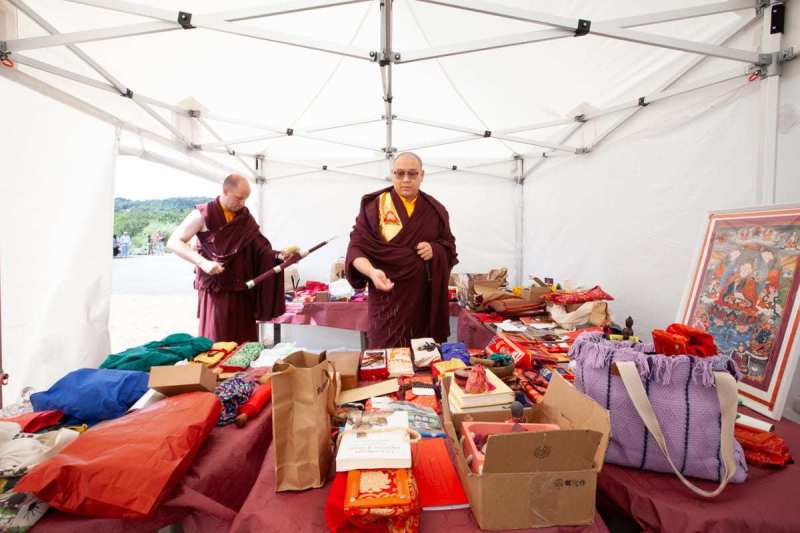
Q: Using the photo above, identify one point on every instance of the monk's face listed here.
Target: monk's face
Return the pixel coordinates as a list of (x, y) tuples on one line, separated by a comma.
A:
[(407, 177), (234, 198)]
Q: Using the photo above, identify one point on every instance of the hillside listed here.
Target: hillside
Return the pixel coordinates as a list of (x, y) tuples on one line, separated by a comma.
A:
[(141, 218)]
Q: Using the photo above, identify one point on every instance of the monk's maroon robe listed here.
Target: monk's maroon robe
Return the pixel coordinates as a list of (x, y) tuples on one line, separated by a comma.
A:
[(417, 306), (227, 310)]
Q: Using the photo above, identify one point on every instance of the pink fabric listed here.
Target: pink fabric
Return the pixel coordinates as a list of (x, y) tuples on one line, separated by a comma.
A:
[(302, 512), (566, 298), (472, 332), (767, 501), (208, 497)]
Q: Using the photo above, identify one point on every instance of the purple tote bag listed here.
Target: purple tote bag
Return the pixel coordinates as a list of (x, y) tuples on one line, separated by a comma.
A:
[(668, 413)]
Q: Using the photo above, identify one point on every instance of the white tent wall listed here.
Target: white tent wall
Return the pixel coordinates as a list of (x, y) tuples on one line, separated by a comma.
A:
[(57, 186), (630, 215)]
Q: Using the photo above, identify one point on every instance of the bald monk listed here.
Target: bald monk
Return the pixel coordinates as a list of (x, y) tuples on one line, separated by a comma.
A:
[(401, 245), (231, 251)]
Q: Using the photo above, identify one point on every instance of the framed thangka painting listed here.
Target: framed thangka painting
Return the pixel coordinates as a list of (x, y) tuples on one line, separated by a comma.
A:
[(744, 292)]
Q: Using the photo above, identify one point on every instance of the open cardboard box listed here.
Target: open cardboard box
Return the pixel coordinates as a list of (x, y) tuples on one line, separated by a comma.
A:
[(536, 479)]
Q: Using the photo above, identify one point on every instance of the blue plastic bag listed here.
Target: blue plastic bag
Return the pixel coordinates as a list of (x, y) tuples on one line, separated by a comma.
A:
[(89, 395)]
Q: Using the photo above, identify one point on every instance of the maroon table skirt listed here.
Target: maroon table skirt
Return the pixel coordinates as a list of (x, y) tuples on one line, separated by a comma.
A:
[(768, 501), (303, 512), (207, 498)]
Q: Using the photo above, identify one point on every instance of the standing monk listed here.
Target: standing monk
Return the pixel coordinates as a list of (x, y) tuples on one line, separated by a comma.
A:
[(231, 251), (402, 246)]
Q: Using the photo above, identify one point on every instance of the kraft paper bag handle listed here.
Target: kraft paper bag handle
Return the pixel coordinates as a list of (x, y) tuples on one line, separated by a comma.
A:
[(727, 395)]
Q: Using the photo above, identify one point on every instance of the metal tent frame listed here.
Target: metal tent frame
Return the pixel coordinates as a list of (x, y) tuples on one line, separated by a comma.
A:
[(763, 65)]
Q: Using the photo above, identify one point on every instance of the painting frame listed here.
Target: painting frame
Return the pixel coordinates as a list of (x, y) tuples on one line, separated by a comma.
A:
[(744, 289)]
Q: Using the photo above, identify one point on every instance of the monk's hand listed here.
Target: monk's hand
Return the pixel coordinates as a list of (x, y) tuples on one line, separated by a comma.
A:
[(381, 282), (211, 267), (425, 251)]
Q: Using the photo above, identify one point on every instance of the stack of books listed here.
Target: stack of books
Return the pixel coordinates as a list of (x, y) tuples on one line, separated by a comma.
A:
[(499, 395)]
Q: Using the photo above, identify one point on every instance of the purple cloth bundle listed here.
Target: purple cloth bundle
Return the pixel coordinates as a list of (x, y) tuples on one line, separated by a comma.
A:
[(682, 392)]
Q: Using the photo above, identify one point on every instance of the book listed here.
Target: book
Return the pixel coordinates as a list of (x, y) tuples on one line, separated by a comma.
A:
[(398, 361), (377, 488), (426, 351), (499, 394), (437, 480), (375, 440), (457, 409)]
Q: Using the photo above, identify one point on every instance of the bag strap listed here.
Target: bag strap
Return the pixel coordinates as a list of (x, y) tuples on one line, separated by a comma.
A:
[(726, 393)]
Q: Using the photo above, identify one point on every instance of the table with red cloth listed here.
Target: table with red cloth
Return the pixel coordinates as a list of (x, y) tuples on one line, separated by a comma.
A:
[(342, 315), (472, 331), (208, 497), (303, 512), (767, 501)]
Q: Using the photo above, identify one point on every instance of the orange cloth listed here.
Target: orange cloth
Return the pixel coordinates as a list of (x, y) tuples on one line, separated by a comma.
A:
[(410, 204), (228, 214)]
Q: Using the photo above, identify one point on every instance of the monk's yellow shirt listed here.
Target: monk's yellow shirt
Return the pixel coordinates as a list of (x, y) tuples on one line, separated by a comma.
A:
[(228, 214)]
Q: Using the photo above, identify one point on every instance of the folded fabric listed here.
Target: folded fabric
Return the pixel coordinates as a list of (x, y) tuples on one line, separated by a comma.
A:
[(566, 298), (594, 313), (454, 350), (243, 356), (516, 307), (19, 512), (168, 351), (124, 468), (92, 395), (763, 448), (232, 394), (269, 356), (20, 451), (680, 339), (216, 353), (33, 422)]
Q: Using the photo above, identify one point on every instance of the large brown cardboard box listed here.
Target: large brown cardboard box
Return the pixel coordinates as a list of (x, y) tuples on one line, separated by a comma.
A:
[(537, 479), (346, 364), (172, 380)]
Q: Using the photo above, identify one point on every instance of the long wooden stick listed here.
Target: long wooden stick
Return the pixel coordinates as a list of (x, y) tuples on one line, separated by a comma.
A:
[(280, 268)]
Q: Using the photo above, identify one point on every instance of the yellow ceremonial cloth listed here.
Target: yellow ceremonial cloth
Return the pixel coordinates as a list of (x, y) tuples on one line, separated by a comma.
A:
[(215, 354), (388, 219)]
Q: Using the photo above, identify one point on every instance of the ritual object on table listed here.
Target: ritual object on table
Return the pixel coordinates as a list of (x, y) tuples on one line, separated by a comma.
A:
[(426, 351), (399, 363), (373, 365), (442, 367), (440, 488), (495, 393), (477, 382), (242, 357), (217, 352), (763, 448), (419, 390), (375, 439), (533, 384), (376, 514), (475, 436)]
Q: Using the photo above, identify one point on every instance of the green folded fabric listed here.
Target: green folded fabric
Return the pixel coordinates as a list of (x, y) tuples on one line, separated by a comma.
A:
[(168, 351)]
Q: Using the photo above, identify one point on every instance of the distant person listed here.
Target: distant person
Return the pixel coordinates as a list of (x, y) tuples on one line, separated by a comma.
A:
[(115, 245), (150, 239), (231, 251), (124, 244), (160, 242)]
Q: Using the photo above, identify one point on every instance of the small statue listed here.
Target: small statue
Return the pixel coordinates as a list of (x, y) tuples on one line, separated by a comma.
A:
[(627, 331), (477, 382)]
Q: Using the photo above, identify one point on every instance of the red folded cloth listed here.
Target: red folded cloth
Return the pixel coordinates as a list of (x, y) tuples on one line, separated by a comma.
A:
[(680, 339), (594, 294), (33, 422), (763, 448)]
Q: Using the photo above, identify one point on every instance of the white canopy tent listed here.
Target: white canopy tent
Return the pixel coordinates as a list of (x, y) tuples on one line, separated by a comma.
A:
[(584, 140)]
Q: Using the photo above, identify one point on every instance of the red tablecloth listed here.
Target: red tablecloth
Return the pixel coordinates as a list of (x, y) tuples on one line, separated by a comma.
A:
[(302, 512), (208, 497), (768, 501), (342, 315), (472, 331)]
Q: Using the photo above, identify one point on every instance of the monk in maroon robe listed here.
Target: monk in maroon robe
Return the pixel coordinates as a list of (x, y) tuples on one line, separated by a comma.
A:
[(401, 245), (231, 251)]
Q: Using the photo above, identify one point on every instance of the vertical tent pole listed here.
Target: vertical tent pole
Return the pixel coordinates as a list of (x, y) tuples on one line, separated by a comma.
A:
[(261, 180), (771, 32), (519, 234), (385, 63)]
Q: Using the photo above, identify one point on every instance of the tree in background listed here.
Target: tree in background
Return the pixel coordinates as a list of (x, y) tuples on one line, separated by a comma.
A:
[(141, 218)]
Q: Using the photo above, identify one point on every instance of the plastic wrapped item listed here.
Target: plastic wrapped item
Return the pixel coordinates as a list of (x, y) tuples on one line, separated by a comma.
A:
[(341, 290), (124, 468), (423, 420)]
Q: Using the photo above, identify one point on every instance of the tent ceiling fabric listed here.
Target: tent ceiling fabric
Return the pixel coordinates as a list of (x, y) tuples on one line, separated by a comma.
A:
[(276, 86)]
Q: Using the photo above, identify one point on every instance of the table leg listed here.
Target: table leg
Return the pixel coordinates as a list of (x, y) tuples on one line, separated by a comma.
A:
[(364, 340), (276, 334)]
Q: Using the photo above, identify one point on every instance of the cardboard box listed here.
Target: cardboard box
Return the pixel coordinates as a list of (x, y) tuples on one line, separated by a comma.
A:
[(346, 364), (537, 479), (172, 380)]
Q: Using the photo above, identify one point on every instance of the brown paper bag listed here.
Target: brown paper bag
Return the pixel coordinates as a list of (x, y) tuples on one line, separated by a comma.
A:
[(303, 392)]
